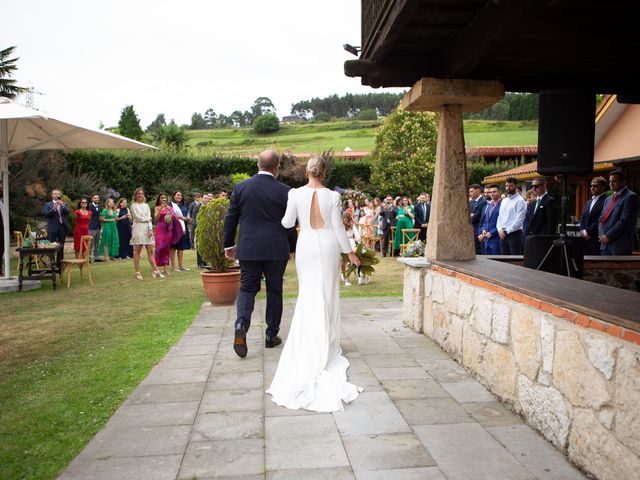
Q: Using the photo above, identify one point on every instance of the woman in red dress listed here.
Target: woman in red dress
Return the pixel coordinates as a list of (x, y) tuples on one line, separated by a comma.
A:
[(83, 217)]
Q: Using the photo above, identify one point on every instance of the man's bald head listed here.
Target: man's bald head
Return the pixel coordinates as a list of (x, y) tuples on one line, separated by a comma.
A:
[(269, 160)]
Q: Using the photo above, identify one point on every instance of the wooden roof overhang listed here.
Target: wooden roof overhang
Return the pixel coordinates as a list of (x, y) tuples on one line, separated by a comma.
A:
[(528, 45)]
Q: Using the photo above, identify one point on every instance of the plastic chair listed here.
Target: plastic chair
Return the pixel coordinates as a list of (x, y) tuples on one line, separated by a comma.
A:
[(81, 263), (408, 235)]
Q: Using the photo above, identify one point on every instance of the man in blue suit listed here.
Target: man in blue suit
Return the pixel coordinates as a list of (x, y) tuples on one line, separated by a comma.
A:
[(264, 245), (56, 212), (488, 236), (590, 217), (617, 225), (477, 203)]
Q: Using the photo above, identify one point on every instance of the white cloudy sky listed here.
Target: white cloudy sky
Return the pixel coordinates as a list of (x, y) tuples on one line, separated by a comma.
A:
[(90, 58)]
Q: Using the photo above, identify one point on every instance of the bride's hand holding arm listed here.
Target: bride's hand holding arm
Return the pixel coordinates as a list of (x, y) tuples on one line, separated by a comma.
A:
[(290, 215)]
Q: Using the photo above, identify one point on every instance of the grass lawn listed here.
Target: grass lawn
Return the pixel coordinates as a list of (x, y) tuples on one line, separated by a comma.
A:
[(69, 358), (357, 135)]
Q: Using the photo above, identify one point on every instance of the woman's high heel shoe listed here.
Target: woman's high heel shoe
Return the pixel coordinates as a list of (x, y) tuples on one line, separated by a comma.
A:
[(157, 274)]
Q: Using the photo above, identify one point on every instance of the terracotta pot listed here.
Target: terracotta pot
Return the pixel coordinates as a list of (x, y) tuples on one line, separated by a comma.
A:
[(221, 288)]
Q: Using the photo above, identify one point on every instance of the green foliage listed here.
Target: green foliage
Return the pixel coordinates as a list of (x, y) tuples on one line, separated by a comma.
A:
[(171, 184), (367, 259), (347, 105), (268, 123), (157, 123), (368, 114), (262, 106), (78, 184), (238, 177), (210, 234), (322, 117), (170, 137), (217, 184), (403, 160), (478, 170), (129, 124), (346, 171), (197, 122), (514, 106), (8, 66)]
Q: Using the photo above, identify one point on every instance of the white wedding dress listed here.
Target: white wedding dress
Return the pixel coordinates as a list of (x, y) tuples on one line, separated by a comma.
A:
[(312, 373)]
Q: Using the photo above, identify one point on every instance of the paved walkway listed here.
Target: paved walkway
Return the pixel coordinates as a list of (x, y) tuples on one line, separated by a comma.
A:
[(201, 413)]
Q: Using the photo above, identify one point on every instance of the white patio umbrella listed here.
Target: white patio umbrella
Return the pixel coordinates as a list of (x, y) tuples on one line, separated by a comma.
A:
[(23, 129)]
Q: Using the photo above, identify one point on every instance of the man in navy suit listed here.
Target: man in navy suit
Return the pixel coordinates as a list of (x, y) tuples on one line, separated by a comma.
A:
[(543, 211), (488, 236), (617, 225), (258, 205), (94, 227), (477, 203), (591, 215), (56, 212), (422, 213)]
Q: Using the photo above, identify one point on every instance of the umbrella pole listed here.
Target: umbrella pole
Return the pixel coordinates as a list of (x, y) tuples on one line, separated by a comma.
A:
[(4, 169)]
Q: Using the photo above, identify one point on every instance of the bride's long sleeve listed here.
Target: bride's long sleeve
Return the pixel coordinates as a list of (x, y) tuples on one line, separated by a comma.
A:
[(290, 215), (338, 227)]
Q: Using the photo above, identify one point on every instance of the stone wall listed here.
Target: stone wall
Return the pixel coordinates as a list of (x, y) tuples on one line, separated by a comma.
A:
[(580, 387)]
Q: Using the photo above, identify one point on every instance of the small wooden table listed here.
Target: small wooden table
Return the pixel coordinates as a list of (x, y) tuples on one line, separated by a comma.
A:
[(49, 264)]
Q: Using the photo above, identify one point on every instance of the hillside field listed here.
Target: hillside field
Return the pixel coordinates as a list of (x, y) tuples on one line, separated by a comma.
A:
[(357, 135)]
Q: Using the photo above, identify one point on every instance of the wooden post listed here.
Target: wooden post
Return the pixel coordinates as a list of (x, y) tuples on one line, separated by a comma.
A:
[(450, 235)]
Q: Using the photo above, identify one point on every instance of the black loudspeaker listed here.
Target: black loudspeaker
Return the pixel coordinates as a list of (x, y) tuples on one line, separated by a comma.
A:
[(566, 132), (540, 253)]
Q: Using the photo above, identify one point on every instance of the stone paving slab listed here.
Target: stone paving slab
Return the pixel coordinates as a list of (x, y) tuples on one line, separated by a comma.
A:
[(202, 413)]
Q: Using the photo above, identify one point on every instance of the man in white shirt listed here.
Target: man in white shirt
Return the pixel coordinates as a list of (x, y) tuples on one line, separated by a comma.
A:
[(511, 219)]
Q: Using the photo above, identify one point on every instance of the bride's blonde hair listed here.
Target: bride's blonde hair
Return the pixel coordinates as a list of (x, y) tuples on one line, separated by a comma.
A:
[(316, 167)]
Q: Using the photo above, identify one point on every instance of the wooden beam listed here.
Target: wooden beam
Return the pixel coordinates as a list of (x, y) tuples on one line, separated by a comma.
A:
[(491, 24)]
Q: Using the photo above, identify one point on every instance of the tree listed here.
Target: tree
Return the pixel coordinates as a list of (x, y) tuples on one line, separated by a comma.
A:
[(157, 123), (403, 159), (237, 118), (8, 87), (197, 122), (129, 124), (170, 137), (266, 124), (262, 106), (210, 118)]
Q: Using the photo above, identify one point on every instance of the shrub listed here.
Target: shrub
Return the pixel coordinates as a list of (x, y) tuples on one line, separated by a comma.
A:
[(210, 234), (268, 123), (238, 177), (368, 114), (322, 117)]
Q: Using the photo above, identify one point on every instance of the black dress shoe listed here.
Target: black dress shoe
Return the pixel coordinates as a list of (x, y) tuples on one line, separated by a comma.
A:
[(271, 342), (240, 342)]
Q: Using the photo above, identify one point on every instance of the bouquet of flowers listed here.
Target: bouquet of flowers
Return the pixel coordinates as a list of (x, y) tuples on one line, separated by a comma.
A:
[(414, 249), (367, 260)]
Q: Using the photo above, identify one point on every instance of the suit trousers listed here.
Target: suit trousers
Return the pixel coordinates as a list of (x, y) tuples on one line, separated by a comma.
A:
[(95, 243), (422, 236), (59, 237), (512, 243), (385, 241), (251, 272)]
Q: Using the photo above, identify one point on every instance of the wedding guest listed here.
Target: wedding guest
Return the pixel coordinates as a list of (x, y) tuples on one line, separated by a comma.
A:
[(422, 214), (488, 237), (166, 230), (511, 219), (354, 238), (591, 214), (83, 218), (356, 211), (405, 218), (177, 249), (617, 225), (142, 233), (109, 241), (387, 220), (197, 200), (194, 224), (529, 198), (56, 212), (123, 222), (543, 211), (476, 206), (377, 209), (223, 194), (94, 227)]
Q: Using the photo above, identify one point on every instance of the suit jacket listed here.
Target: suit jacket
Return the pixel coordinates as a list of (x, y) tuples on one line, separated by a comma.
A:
[(544, 220), (53, 217), (94, 223), (420, 216), (258, 205), (620, 225), (388, 218), (589, 223), (194, 214), (477, 208), (490, 219)]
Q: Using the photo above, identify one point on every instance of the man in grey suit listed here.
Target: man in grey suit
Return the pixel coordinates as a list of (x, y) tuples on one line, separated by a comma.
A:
[(617, 225)]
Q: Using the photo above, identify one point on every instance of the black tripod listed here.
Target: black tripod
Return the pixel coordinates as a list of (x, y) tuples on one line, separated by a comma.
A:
[(567, 259)]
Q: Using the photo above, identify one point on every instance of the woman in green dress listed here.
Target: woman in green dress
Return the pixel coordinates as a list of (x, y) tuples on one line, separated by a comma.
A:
[(109, 241), (405, 220)]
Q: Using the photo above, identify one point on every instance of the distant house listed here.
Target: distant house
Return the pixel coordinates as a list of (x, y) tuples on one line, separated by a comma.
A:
[(292, 119)]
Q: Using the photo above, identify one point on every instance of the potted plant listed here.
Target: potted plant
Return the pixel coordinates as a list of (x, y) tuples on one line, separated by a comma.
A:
[(221, 281)]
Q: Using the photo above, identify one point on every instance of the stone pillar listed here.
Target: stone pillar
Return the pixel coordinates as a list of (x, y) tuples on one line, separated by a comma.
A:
[(450, 235)]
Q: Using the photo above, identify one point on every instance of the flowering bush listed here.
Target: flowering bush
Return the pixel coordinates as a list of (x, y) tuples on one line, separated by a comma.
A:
[(414, 249), (367, 260)]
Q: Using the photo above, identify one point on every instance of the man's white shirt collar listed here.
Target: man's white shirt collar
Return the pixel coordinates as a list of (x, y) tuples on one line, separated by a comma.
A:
[(264, 172)]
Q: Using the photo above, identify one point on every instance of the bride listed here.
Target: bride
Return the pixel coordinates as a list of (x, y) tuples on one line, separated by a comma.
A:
[(312, 373)]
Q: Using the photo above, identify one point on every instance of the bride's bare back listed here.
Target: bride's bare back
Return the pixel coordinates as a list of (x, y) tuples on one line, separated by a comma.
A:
[(315, 217)]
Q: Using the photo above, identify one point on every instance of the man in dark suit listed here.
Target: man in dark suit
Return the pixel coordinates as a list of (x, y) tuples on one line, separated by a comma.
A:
[(258, 205), (591, 215), (617, 225), (477, 204), (56, 212), (387, 220), (422, 213), (543, 211), (204, 200), (94, 227)]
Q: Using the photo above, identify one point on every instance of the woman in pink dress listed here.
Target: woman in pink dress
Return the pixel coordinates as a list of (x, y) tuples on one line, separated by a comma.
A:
[(83, 217), (168, 231)]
